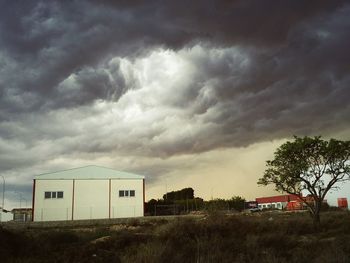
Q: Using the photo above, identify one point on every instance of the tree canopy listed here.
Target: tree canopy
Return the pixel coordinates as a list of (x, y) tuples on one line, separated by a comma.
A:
[(309, 164), (183, 194)]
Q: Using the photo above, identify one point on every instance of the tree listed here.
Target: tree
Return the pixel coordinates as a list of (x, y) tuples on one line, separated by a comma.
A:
[(183, 194), (309, 164), (237, 203)]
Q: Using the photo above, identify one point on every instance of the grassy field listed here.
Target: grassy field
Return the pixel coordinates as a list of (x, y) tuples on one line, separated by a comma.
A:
[(262, 237)]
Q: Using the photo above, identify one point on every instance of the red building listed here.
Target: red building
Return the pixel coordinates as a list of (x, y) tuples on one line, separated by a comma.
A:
[(291, 202), (277, 202), (343, 203)]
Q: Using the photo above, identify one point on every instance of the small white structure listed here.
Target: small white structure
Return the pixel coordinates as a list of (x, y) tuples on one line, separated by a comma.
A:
[(90, 192)]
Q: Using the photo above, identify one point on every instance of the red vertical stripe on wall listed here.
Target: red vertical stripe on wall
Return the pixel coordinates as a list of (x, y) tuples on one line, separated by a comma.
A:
[(73, 200), (143, 197), (33, 202)]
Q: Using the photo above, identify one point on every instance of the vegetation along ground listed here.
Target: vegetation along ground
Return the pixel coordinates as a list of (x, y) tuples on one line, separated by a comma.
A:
[(259, 237)]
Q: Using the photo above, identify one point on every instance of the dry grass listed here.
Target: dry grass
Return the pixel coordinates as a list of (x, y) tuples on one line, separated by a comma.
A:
[(266, 237)]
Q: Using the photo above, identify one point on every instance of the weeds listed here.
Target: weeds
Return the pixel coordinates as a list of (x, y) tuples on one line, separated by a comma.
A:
[(271, 237)]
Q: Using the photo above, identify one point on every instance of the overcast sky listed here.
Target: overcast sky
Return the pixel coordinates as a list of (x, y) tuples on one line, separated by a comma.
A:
[(188, 93)]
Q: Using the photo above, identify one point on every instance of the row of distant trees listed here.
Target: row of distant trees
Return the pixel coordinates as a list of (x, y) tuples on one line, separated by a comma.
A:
[(183, 201)]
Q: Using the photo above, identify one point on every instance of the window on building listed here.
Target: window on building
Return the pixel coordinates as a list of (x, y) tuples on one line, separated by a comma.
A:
[(126, 193), (47, 195)]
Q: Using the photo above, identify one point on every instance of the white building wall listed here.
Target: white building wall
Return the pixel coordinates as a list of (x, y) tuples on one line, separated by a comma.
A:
[(126, 206), (91, 199), (53, 208), (277, 205)]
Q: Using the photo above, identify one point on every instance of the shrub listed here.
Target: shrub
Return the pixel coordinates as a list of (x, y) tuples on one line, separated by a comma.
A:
[(272, 237)]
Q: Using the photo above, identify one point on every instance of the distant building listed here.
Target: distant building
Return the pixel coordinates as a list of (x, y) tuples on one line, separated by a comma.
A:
[(250, 204), (287, 202), (90, 192), (343, 203), (275, 202), (22, 214)]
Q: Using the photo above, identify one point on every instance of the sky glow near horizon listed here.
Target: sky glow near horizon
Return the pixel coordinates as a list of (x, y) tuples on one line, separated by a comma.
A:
[(195, 94)]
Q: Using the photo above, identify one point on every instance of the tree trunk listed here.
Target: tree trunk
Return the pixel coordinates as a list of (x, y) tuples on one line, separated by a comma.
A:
[(316, 215), (316, 220)]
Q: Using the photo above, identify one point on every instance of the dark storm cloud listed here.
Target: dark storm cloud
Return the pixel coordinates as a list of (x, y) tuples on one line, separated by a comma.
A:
[(46, 42), (50, 41), (80, 80)]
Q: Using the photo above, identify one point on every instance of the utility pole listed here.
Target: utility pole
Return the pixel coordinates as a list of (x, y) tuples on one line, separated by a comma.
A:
[(166, 190), (186, 203), (3, 196)]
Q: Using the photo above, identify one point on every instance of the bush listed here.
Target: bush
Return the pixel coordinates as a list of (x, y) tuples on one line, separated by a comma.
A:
[(272, 237)]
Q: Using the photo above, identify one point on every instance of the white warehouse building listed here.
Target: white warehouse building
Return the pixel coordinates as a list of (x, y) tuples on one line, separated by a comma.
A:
[(90, 192)]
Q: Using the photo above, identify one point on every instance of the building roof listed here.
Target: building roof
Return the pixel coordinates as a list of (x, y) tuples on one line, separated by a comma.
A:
[(88, 172), (276, 199)]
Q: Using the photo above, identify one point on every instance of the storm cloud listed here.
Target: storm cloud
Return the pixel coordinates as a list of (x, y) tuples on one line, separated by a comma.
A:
[(139, 84)]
